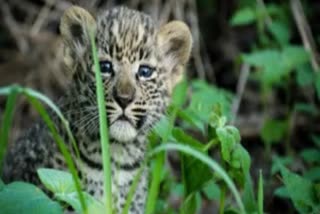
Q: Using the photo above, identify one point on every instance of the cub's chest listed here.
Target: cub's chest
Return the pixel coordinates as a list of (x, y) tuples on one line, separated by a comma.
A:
[(93, 180), (92, 170)]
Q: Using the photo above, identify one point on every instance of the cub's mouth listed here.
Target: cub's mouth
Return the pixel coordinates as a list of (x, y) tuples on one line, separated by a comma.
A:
[(123, 129), (124, 118)]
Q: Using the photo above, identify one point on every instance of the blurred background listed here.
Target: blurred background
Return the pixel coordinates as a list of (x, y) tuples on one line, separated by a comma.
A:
[(262, 53)]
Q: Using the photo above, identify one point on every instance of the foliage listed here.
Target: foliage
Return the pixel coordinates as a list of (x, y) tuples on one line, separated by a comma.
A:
[(279, 62), (61, 184), (19, 197), (196, 175)]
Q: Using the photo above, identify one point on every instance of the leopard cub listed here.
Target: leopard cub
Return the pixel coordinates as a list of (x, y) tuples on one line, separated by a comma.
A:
[(140, 64)]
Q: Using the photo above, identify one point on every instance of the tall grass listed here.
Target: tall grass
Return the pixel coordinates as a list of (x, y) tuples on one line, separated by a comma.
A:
[(34, 97), (206, 160), (7, 121), (104, 138)]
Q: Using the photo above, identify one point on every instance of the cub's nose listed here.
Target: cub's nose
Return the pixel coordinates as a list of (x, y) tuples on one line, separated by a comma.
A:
[(123, 99)]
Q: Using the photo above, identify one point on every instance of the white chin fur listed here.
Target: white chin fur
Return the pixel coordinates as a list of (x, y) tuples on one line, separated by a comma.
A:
[(122, 131)]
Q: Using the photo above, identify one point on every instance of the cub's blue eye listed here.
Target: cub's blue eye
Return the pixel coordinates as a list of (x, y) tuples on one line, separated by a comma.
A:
[(145, 71), (106, 67)]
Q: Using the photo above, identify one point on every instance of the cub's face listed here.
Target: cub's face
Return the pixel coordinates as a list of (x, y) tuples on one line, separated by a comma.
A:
[(139, 63)]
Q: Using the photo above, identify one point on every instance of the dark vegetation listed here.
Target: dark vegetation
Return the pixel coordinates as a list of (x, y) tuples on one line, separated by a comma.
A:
[(254, 73)]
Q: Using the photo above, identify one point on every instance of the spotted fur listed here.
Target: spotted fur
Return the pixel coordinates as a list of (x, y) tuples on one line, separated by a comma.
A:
[(134, 103)]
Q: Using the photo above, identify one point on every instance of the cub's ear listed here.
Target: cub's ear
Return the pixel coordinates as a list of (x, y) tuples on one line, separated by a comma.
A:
[(175, 43), (75, 26)]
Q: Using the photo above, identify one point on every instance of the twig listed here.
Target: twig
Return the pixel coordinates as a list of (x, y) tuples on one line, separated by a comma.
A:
[(305, 32), (165, 13), (194, 22), (244, 74), (42, 17), (14, 28), (262, 5)]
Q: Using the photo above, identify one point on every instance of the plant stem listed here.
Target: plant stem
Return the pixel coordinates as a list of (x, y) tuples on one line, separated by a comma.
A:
[(133, 188), (158, 168), (206, 160), (62, 147), (7, 121), (156, 179), (260, 193), (222, 198), (104, 135)]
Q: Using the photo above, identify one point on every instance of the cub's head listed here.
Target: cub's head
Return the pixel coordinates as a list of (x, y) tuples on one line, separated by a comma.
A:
[(140, 65)]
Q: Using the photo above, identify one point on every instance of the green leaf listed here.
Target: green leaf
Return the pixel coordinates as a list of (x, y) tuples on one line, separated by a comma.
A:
[(243, 16), (191, 167), (2, 185), (304, 75), (264, 58), (19, 197), (179, 95), (72, 198), (311, 155), (163, 128), (240, 164), (274, 9), (245, 159), (62, 185), (248, 196), (273, 131), (279, 162), (184, 138), (189, 205), (206, 160), (313, 174), (293, 56), (282, 192), (269, 61), (275, 64), (317, 84), (177, 189), (191, 118), (234, 132), (280, 32), (316, 140), (306, 108), (236, 157), (56, 181), (227, 143), (300, 191), (212, 190), (205, 97)]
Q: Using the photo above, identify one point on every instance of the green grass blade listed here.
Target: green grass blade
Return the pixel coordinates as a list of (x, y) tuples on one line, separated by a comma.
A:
[(57, 111), (33, 97), (205, 159), (155, 183), (68, 158), (7, 121), (104, 135), (260, 193), (158, 168), (7, 90), (133, 188)]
